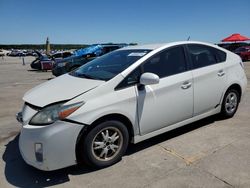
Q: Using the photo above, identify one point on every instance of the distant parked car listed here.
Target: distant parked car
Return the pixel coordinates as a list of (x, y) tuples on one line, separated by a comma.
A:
[(31, 53), (232, 46), (243, 52), (82, 56), (61, 55), (129, 95), (4, 52), (17, 53), (44, 62)]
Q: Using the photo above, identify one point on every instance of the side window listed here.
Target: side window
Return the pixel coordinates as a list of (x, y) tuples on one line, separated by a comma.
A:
[(66, 54), (220, 55), (59, 55), (169, 62), (166, 63), (202, 55)]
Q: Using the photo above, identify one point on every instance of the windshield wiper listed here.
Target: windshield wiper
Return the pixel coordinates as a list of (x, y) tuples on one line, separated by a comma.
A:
[(86, 76), (82, 75), (90, 77)]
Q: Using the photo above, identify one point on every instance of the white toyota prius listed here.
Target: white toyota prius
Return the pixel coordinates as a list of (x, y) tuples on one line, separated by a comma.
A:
[(128, 95)]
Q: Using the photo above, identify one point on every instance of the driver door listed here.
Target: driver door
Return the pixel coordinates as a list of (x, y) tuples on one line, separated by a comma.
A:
[(171, 100)]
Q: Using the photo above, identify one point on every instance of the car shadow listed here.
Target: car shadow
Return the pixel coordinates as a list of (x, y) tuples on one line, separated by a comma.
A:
[(47, 78), (19, 174), (133, 148), (35, 70)]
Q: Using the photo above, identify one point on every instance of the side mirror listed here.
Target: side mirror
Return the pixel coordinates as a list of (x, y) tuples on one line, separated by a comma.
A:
[(149, 79)]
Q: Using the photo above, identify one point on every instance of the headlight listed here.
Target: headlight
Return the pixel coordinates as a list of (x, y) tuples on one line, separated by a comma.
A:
[(53, 113)]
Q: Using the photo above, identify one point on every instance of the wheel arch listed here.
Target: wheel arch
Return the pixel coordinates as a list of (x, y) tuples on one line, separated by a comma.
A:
[(237, 87), (87, 128)]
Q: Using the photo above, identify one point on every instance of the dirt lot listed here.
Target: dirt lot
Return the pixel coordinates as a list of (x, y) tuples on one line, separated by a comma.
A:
[(208, 153)]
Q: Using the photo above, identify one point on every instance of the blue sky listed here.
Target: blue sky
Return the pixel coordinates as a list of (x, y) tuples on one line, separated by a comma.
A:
[(141, 21)]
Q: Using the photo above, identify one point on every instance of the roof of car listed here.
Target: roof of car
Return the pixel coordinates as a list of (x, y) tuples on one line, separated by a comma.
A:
[(156, 46), (110, 45), (145, 46)]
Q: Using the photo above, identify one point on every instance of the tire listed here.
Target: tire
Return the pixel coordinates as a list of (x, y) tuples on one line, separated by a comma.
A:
[(230, 103), (104, 145)]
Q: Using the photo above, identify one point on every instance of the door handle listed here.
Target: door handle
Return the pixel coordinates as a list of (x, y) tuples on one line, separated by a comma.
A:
[(221, 73), (186, 85)]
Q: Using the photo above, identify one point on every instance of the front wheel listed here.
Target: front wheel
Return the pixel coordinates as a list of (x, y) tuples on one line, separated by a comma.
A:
[(105, 144), (230, 103)]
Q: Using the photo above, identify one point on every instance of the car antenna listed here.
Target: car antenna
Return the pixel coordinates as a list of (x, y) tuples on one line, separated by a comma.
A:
[(188, 38)]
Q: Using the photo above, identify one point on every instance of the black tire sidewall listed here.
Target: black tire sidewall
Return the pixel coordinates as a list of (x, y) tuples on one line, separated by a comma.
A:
[(86, 147), (224, 113)]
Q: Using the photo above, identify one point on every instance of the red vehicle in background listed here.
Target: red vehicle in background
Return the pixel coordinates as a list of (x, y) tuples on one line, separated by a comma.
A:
[(243, 52)]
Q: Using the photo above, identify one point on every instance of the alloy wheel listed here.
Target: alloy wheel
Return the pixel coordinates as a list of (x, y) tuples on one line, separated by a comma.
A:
[(231, 102), (107, 143)]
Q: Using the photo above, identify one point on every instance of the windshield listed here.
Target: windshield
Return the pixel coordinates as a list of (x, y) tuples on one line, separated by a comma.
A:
[(109, 65)]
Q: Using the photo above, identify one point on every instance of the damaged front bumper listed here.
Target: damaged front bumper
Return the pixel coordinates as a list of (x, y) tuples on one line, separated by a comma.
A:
[(19, 117)]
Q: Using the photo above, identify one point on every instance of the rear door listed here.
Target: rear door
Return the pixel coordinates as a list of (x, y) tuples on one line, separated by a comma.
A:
[(209, 77)]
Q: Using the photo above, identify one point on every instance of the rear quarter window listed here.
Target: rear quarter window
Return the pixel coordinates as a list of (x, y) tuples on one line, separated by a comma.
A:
[(220, 55)]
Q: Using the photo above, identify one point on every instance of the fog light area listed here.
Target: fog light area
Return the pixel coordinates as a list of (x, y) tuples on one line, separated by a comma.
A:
[(39, 152)]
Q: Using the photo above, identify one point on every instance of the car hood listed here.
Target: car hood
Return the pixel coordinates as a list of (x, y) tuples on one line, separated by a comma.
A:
[(62, 88)]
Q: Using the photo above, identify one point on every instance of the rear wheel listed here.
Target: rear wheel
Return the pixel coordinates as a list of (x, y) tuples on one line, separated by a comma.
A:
[(105, 144), (230, 103)]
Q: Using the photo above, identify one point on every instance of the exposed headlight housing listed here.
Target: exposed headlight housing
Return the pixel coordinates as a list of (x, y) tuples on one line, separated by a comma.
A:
[(50, 114)]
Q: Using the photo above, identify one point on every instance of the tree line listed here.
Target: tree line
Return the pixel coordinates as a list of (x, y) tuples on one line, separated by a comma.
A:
[(42, 46)]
